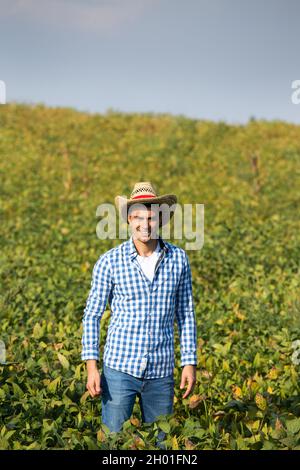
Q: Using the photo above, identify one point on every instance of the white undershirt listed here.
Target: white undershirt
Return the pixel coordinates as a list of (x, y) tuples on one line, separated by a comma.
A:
[(148, 263)]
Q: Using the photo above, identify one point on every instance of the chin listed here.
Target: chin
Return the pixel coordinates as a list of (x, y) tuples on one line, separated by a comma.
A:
[(143, 237)]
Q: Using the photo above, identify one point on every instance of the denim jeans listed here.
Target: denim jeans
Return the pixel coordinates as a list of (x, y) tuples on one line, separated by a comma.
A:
[(119, 391)]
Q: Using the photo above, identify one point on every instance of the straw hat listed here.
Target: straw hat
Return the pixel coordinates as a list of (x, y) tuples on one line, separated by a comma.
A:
[(143, 193)]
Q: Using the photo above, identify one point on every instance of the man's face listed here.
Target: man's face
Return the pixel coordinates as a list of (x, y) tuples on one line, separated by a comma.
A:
[(144, 223)]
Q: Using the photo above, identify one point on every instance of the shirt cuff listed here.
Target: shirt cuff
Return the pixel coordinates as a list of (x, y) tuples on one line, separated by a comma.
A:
[(89, 355), (189, 359)]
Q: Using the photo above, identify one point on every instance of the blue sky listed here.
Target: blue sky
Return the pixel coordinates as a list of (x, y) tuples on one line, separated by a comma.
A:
[(208, 59)]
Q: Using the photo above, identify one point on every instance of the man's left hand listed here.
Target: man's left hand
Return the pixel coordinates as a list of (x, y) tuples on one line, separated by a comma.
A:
[(188, 376)]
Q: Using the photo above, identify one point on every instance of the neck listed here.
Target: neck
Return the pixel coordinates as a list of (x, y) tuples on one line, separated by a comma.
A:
[(145, 248)]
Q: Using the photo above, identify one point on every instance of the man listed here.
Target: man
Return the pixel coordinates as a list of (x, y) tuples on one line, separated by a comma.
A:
[(147, 283)]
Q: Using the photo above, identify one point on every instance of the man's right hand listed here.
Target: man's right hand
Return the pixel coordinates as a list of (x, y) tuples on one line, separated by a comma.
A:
[(93, 380)]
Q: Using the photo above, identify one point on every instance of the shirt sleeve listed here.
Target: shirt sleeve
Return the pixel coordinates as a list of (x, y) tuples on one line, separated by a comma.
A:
[(101, 286), (185, 316)]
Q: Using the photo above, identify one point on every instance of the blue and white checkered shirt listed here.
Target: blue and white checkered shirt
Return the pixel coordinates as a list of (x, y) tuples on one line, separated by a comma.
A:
[(140, 336)]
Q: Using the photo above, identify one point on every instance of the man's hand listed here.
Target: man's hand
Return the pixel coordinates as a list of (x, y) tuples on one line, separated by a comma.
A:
[(188, 375), (93, 381)]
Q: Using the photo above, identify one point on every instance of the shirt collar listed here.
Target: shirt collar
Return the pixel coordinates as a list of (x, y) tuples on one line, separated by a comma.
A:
[(132, 249)]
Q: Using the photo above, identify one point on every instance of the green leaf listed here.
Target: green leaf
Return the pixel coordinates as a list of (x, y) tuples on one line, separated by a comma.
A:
[(78, 372), (4, 445), (52, 386), (222, 349), (164, 425), (90, 443), (38, 331), (257, 360), (293, 425), (198, 433), (268, 445), (63, 360), (18, 392), (289, 442)]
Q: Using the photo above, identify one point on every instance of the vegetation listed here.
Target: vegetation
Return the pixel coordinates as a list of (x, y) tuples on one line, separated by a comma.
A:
[(56, 167)]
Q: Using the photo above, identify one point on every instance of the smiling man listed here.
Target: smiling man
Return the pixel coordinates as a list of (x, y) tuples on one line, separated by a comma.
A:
[(147, 282)]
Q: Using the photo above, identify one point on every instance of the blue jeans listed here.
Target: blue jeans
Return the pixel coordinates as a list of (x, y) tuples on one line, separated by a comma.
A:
[(119, 391)]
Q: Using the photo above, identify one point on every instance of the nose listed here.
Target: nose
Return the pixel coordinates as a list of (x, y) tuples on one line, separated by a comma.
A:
[(145, 225)]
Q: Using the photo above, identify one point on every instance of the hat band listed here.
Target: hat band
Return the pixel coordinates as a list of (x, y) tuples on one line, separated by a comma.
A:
[(139, 197)]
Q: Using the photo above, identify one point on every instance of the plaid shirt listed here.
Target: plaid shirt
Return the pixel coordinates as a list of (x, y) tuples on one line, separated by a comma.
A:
[(141, 328)]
